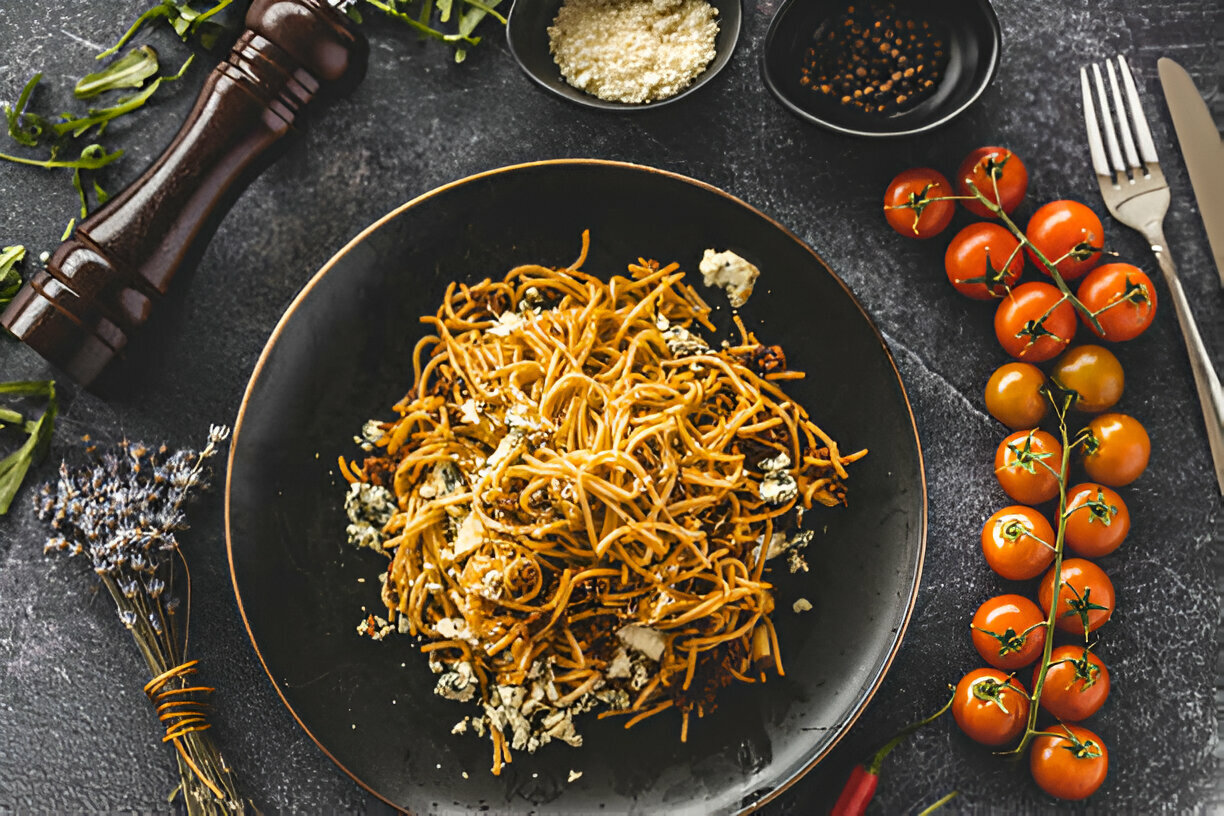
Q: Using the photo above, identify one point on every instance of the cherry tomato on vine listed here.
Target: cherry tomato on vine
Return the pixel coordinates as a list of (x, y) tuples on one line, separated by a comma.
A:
[(990, 707), (1069, 235), (906, 206), (1009, 173), (1069, 766), (1076, 683), (1034, 322), (1027, 465), (1117, 451), (1085, 596), (1094, 374), (1013, 395), (1018, 543), (982, 261), (1122, 297), (1097, 520), (1009, 632)]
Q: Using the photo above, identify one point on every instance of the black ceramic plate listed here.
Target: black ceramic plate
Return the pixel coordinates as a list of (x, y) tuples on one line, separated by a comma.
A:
[(341, 354)]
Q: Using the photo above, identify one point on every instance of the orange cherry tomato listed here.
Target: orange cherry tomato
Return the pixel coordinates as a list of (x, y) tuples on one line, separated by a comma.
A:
[(1094, 374), (1009, 632), (1071, 766), (1085, 596), (1027, 465), (1122, 297), (991, 169), (906, 207), (1018, 543), (1076, 683), (990, 707), (1013, 395), (1118, 450), (1097, 520), (1069, 235), (1034, 322), (982, 261)]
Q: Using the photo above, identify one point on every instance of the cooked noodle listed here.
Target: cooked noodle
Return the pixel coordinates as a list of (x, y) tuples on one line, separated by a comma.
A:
[(572, 460)]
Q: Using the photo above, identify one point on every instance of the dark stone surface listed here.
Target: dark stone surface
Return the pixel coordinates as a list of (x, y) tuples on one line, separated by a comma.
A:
[(75, 731)]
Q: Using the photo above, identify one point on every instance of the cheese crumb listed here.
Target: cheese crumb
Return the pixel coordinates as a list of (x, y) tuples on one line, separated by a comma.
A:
[(633, 51), (735, 275), (574, 776), (801, 605)]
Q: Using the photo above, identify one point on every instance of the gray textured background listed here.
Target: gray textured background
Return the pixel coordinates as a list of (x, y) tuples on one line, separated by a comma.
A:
[(76, 732)]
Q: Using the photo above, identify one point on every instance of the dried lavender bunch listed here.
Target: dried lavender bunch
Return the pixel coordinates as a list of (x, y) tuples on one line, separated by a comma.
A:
[(122, 511)]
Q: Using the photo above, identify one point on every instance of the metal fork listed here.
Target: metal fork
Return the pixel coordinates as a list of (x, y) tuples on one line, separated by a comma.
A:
[(1140, 199)]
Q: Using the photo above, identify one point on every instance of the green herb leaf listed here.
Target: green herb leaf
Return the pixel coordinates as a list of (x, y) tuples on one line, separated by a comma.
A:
[(10, 278), (13, 468), (185, 21), (130, 71), (26, 128)]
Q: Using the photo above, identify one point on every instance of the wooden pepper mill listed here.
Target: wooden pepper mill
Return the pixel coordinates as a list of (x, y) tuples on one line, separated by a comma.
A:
[(101, 284)]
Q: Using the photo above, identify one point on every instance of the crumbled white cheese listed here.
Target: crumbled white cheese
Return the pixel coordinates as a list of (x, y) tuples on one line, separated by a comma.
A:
[(469, 412), (468, 537), (778, 485), (683, 343), (734, 274), (620, 665), (369, 508), (649, 642), (443, 480), (459, 684), (506, 323), (801, 605), (505, 449), (574, 776), (634, 52)]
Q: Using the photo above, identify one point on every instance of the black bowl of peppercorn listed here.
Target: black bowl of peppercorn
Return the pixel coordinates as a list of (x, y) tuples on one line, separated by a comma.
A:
[(881, 67)]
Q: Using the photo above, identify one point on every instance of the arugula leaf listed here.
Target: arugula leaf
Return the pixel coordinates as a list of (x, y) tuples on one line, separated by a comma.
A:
[(185, 21), (26, 128), (13, 468), (130, 71), (10, 278), (471, 13)]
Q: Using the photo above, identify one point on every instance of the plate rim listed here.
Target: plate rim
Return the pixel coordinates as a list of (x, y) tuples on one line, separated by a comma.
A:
[(361, 236)]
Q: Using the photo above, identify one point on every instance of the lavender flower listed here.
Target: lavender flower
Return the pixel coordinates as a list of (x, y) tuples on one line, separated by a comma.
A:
[(122, 511)]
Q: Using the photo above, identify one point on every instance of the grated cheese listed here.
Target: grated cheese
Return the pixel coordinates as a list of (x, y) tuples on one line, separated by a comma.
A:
[(633, 51)]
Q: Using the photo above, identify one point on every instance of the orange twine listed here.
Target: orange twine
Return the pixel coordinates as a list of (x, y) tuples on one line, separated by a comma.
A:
[(181, 714)]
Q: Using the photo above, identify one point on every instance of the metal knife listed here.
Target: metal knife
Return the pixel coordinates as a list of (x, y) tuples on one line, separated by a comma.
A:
[(1201, 148)]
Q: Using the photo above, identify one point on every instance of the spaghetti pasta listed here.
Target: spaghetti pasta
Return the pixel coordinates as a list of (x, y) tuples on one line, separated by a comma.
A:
[(582, 497)]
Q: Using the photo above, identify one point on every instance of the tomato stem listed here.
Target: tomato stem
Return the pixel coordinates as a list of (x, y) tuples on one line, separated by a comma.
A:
[(1030, 730)]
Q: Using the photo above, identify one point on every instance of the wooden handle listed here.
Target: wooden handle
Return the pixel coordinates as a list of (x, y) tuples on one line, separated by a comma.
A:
[(101, 284)]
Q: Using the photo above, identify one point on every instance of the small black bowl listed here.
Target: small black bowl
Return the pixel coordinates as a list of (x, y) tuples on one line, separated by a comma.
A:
[(974, 41), (527, 35)]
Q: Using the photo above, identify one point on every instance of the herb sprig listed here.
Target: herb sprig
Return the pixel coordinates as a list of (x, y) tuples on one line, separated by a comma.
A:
[(13, 468)]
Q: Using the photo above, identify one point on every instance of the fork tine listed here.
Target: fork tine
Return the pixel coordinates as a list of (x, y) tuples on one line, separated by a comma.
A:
[(1128, 144), (1147, 148), (1111, 136), (1099, 163)]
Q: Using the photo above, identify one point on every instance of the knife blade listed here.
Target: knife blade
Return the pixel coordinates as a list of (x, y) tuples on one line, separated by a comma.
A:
[(1201, 148)]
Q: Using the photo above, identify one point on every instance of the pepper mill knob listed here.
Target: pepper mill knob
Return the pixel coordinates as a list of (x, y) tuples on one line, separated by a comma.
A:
[(102, 283)]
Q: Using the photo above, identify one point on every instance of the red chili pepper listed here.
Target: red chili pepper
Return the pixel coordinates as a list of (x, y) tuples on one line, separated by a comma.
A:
[(860, 788)]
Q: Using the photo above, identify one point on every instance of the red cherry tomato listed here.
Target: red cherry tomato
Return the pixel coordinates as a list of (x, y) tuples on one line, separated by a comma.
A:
[(1097, 520), (1085, 596), (1027, 465), (982, 261), (1069, 235), (1094, 374), (1013, 395), (1018, 543), (906, 205), (1070, 766), (1122, 297), (1034, 322), (1076, 683), (1118, 450), (1010, 178), (1009, 632), (989, 707)]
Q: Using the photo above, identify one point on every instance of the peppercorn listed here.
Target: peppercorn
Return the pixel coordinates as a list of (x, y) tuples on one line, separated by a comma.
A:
[(873, 51)]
